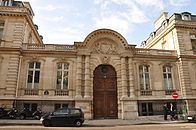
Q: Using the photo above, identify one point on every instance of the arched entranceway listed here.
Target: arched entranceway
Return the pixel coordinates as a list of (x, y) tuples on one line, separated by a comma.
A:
[(105, 92)]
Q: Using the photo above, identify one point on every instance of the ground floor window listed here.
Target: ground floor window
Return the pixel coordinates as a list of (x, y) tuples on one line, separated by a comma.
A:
[(30, 106), (57, 106), (148, 108)]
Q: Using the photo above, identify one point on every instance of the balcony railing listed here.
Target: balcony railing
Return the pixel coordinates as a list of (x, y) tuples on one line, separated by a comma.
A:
[(169, 92), (61, 92), (146, 92), (139, 51), (48, 47), (31, 92), (43, 92)]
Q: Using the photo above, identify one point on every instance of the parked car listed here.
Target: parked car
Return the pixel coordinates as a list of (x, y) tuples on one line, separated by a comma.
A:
[(191, 118), (26, 113), (63, 117)]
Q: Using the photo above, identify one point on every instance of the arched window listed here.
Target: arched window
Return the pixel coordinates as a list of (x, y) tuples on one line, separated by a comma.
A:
[(167, 75), (62, 75), (33, 75), (186, 16), (144, 77)]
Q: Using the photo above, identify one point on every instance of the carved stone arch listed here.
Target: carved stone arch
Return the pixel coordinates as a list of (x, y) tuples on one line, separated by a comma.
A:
[(167, 64), (144, 62), (104, 41)]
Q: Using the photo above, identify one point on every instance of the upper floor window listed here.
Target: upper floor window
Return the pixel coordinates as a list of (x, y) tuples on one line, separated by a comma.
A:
[(6, 2), (33, 75), (186, 16), (167, 75), (62, 75), (193, 41), (1, 29), (144, 77)]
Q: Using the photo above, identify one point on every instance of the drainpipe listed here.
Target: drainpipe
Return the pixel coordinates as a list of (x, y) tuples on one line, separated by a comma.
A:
[(18, 78)]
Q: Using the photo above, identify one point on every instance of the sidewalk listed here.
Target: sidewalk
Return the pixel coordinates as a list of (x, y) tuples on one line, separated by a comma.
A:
[(101, 123)]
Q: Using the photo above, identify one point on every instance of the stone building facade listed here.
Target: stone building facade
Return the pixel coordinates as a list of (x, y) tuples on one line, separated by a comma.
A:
[(104, 75)]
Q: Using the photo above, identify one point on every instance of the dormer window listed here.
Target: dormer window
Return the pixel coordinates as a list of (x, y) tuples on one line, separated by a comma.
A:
[(6, 2), (186, 16), (164, 23)]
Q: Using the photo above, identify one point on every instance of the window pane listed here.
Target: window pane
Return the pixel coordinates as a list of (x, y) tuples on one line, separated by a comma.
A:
[(146, 68), (59, 79), (65, 83), (65, 105), (66, 66), (164, 69), (37, 73), (57, 106), (59, 66), (30, 77), (31, 65), (37, 65)]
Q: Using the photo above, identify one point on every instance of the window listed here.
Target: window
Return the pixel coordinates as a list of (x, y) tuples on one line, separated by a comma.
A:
[(57, 106), (144, 77), (62, 75), (30, 106), (1, 29), (167, 75), (145, 109), (193, 41), (33, 75), (6, 2), (186, 16)]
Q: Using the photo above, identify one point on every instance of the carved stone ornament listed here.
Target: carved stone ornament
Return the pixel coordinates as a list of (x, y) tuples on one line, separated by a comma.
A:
[(105, 48), (105, 59)]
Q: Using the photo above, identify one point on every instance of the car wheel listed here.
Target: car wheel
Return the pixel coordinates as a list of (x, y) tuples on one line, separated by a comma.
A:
[(22, 117), (46, 123), (78, 123)]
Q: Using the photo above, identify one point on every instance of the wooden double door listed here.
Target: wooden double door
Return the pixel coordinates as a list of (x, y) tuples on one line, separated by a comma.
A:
[(105, 93)]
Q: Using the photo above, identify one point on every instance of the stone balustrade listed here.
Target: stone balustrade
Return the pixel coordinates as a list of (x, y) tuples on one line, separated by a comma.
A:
[(41, 92), (139, 51), (50, 47), (14, 9)]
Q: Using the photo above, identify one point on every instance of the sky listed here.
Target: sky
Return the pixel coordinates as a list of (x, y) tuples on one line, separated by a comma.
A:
[(67, 21)]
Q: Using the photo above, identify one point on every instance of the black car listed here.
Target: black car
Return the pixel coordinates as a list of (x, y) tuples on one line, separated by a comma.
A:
[(63, 117)]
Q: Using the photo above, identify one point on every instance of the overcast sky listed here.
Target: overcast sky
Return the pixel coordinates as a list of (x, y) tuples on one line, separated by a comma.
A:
[(66, 21)]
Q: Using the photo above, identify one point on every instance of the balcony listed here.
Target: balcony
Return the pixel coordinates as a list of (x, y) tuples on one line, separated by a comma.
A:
[(169, 92), (31, 92), (43, 92), (139, 51), (146, 92), (11, 9), (61, 92), (48, 47)]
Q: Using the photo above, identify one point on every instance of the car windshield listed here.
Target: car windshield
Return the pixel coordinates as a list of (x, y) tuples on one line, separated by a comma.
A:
[(61, 111)]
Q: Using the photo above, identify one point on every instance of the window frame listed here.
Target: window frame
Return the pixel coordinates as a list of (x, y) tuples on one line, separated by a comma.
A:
[(167, 79), (144, 87), (62, 70), (31, 85), (2, 25)]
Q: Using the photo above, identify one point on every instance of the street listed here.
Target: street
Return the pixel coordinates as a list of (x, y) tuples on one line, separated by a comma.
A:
[(179, 126)]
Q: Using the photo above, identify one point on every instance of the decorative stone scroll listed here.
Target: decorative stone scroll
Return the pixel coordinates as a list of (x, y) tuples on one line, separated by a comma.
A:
[(104, 47)]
